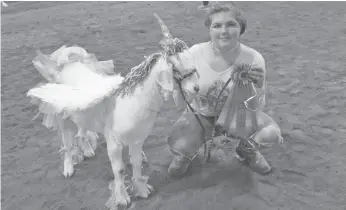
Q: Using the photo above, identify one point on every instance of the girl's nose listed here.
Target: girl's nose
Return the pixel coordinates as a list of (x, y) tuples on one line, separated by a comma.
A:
[(223, 29)]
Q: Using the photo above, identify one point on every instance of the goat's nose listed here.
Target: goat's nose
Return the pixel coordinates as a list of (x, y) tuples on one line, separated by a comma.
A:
[(196, 88)]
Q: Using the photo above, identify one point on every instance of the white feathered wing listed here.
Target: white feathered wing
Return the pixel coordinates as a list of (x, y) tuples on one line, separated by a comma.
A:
[(75, 94), (77, 85)]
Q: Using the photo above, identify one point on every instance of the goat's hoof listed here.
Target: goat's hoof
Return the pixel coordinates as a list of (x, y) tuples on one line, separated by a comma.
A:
[(141, 188), (113, 204), (88, 153), (87, 149), (144, 191), (124, 202), (119, 197), (68, 170), (118, 201)]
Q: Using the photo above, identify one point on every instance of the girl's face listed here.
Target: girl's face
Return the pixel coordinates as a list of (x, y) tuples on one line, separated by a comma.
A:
[(224, 30)]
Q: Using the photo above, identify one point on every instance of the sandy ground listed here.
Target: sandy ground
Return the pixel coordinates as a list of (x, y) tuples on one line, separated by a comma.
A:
[(304, 46)]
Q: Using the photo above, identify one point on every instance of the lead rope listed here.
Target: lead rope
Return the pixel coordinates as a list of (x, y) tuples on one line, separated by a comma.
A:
[(207, 157), (197, 117)]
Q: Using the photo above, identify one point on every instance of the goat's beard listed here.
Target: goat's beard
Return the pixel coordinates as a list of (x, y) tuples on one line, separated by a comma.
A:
[(177, 96), (166, 95)]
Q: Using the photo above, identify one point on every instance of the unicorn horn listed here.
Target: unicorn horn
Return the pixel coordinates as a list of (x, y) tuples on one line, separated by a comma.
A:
[(164, 28)]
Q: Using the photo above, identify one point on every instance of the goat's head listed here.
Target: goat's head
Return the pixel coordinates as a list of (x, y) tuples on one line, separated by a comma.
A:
[(182, 71)]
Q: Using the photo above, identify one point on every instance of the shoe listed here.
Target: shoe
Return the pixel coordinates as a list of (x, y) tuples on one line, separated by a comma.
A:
[(179, 166), (251, 157), (202, 7)]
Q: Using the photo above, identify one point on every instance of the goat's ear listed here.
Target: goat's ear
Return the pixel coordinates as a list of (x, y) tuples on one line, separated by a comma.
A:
[(165, 79)]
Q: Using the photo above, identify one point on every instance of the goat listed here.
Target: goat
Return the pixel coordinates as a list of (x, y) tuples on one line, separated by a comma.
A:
[(122, 109)]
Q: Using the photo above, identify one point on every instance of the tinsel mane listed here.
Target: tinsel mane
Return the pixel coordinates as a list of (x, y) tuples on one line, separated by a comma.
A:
[(173, 47), (138, 75)]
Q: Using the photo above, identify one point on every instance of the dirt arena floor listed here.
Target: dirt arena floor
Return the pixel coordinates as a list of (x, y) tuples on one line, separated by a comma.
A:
[(304, 46)]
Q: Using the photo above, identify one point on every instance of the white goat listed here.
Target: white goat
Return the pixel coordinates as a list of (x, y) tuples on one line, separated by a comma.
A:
[(122, 109)]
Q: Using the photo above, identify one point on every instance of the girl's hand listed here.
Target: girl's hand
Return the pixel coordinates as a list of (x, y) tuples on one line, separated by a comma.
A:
[(256, 75)]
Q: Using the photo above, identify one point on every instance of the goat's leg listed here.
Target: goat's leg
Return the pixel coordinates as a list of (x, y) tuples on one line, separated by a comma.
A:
[(68, 132), (145, 159), (83, 139), (140, 186), (92, 137), (119, 195)]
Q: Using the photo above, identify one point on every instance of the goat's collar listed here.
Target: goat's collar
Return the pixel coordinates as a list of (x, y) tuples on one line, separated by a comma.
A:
[(178, 77)]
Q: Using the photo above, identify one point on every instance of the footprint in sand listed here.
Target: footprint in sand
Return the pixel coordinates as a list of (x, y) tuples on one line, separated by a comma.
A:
[(290, 172), (268, 192)]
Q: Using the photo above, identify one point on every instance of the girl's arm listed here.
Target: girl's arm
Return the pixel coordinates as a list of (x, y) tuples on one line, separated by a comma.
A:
[(259, 73)]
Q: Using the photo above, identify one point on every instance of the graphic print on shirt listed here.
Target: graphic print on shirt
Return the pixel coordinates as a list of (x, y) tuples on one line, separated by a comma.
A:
[(209, 100)]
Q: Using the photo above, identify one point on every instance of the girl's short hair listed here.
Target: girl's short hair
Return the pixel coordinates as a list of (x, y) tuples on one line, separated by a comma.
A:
[(223, 6)]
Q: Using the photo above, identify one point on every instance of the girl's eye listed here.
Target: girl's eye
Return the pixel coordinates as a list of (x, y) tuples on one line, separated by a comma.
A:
[(232, 24), (217, 26)]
